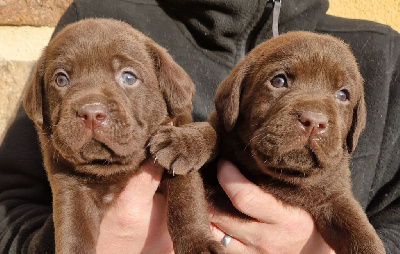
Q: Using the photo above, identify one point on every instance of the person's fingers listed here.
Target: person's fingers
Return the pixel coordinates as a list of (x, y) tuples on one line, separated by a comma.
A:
[(248, 197), (222, 224), (275, 238), (138, 193), (276, 220), (234, 245), (158, 238), (147, 181), (136, 217), (216, 232)]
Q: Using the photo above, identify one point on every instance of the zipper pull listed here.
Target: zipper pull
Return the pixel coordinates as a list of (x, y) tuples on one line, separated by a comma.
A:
[(275, 16)]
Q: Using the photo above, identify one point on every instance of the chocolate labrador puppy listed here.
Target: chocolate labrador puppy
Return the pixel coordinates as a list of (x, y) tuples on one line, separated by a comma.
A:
[(102, 93), (289, 116)]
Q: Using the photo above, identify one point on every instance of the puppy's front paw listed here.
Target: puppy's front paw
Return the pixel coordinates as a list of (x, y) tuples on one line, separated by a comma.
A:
[(175, 148), (210, 247)]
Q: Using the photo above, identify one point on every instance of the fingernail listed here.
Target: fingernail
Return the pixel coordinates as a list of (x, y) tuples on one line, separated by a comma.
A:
[(222, 163)]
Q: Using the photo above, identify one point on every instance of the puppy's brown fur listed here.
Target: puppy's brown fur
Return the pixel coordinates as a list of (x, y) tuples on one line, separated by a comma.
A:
[(289, 115), (100, 92)]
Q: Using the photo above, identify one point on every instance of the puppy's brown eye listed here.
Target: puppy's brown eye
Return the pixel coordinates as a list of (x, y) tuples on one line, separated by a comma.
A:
[(128, 78), (342, 95), (279, 81), (62, 80)]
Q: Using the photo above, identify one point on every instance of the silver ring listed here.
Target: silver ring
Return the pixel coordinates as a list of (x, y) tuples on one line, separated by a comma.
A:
[(226, 240)]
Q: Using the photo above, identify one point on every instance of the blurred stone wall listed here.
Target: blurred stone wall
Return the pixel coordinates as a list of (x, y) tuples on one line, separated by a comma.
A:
[(385, 12), (25, 29)]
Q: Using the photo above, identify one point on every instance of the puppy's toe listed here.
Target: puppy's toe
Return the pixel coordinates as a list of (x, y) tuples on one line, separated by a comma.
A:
[(210, 247), (165, 157), (165, 146), (181, 166), (160, 140)]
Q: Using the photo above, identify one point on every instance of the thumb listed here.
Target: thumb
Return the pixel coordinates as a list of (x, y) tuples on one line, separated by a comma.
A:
[(141, 187), (247, 197)]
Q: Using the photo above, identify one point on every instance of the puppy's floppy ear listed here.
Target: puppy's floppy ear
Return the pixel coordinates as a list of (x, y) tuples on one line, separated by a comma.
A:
[(33, 98), (227, 98), (175, 84), (358, 124)]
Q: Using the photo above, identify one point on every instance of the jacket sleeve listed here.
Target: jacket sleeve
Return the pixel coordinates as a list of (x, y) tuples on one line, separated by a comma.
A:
[(26, 224), (384, 207), (25, 195)]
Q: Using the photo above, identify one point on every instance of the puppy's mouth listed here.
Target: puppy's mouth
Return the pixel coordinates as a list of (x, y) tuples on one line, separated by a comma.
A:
[(287, 166), (287, 172), (96, 158), (104, 162), (98, 153)]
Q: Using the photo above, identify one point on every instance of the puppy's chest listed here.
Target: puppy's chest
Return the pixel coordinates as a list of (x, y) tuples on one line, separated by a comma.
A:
[(101, 191)]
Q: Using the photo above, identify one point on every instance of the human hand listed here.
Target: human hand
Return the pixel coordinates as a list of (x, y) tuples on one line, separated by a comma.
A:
[(137, 220), (276, 228)]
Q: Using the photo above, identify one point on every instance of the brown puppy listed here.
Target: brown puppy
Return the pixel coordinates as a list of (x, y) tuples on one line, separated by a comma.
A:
[(100, 92), (289, 115)]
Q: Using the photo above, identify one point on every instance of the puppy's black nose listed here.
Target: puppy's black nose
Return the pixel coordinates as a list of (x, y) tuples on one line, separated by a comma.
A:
[(314, 122), (93, 115)]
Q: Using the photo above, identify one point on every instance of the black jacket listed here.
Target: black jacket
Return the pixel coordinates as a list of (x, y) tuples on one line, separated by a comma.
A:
[(207, 38)]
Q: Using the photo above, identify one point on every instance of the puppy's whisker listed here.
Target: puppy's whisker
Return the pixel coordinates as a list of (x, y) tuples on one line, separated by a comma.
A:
[(256, 136), (52, 138), (249, 143), (47, 142)]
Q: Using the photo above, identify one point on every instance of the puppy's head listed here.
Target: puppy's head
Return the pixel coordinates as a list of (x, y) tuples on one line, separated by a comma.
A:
[(297, 101), (100, 89)]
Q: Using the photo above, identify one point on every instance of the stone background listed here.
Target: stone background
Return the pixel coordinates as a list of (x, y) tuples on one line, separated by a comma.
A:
[(26, 27)]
